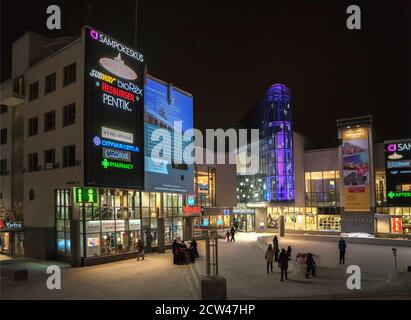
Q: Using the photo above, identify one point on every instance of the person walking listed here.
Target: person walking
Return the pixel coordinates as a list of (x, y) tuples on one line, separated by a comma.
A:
[(310, 265), (191, 253), (194, 244), (289, 252), (232, 232), (140, 250), (227, 236), (283, 264), (269, 255), (341, 247), (182, 249), (276, 248), (174, 248)]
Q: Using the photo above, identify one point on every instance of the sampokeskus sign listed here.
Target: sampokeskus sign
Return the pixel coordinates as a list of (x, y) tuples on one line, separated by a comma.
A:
[(398, 172), (114, 78)]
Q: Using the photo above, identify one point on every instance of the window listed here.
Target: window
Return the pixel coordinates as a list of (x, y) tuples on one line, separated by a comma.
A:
[(18, 85), (50, 84), (3, 109), (33, 126), (69, 156), (34, 91), (50, 121), (69, 114), (3, 167), (3, 136), (33, 162), (69, 74), (49, 159)]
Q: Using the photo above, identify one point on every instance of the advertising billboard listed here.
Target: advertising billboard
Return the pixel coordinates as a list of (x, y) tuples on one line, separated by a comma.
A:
[(168, 113), (113, 113), (398, 173), (356, 172)]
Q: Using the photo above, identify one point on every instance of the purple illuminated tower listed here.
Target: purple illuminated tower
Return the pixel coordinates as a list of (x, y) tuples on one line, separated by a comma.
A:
[(277, 134)]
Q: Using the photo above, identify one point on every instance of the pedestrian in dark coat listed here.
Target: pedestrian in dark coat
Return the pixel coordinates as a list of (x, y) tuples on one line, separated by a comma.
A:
[(194, 244), (276, 248), (140, 250), (341, 246), (232, 234), (174, 248), (182, 252), (310, 265), (192, 253), (289, 252), (227, 236), (283, 264)]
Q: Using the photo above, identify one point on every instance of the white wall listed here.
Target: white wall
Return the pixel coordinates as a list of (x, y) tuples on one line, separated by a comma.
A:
[(321, 160), (40, 211)]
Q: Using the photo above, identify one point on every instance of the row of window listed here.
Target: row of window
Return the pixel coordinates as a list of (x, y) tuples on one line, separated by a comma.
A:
[(69, 117), (69, 159), (69, 76)]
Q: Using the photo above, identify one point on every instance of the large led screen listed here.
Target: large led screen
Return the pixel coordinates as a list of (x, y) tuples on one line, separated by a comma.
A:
[(398, 173), (113, 113), (167, 108)]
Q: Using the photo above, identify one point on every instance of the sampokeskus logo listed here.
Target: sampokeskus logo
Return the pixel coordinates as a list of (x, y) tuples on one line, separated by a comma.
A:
[(392, 147)]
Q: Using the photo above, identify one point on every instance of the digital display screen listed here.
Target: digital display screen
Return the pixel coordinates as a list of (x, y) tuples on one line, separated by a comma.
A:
[(164, 106), (113, 113), (398, 173)]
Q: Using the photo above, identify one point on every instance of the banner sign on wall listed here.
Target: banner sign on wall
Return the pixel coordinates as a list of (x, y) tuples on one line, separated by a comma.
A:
[(113, 113), (398, 173), (356, 173)]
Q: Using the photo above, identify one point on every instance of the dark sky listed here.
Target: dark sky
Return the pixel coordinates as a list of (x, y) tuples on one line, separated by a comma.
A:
[(227, 53)]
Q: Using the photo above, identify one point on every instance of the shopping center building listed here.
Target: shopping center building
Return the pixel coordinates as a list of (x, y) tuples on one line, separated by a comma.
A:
[(79, 182)]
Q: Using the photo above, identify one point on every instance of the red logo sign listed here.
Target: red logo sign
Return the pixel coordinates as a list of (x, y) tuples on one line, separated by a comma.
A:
[(191, 211), (1, 224), (397, 225)]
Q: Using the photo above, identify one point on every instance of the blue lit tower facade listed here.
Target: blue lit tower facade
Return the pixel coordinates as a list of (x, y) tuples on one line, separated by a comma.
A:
[(277, 135)]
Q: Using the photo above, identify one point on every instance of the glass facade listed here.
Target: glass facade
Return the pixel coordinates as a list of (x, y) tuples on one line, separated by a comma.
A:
[(204, 185), (117, 219)]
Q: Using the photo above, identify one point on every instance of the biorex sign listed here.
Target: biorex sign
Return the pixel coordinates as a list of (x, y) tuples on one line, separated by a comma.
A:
[(113, 115)]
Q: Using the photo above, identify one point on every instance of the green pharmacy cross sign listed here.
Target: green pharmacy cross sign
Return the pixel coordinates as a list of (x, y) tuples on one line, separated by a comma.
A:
[(400, 194), (86, 195), (114, 164)]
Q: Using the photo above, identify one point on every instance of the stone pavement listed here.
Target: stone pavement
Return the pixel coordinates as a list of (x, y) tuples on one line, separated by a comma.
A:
[(242, 264), (156, 277)]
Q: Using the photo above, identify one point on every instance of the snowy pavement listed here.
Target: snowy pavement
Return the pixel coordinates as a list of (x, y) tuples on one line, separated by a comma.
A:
[(242, 264)]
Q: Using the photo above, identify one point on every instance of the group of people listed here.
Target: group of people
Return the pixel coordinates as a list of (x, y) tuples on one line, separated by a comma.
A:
[(182, 254), (230, 235), (282, 257)]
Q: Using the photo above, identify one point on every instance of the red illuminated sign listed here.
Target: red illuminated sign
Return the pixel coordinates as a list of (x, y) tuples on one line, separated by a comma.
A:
[(397, 225), (191, 211), (1, 224)]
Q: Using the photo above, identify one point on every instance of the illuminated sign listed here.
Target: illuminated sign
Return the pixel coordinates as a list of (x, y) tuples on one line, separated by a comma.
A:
[(398, 173), (110, 144), (396, 225), (116, 154), (98, 36), (116, 135), (114, 76), (116, 66), (191, 200), (243, 210), (85, 195), (191, 211), (114, 164)]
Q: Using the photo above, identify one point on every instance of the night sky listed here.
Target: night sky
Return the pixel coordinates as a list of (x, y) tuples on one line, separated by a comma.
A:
[(227, 53)]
